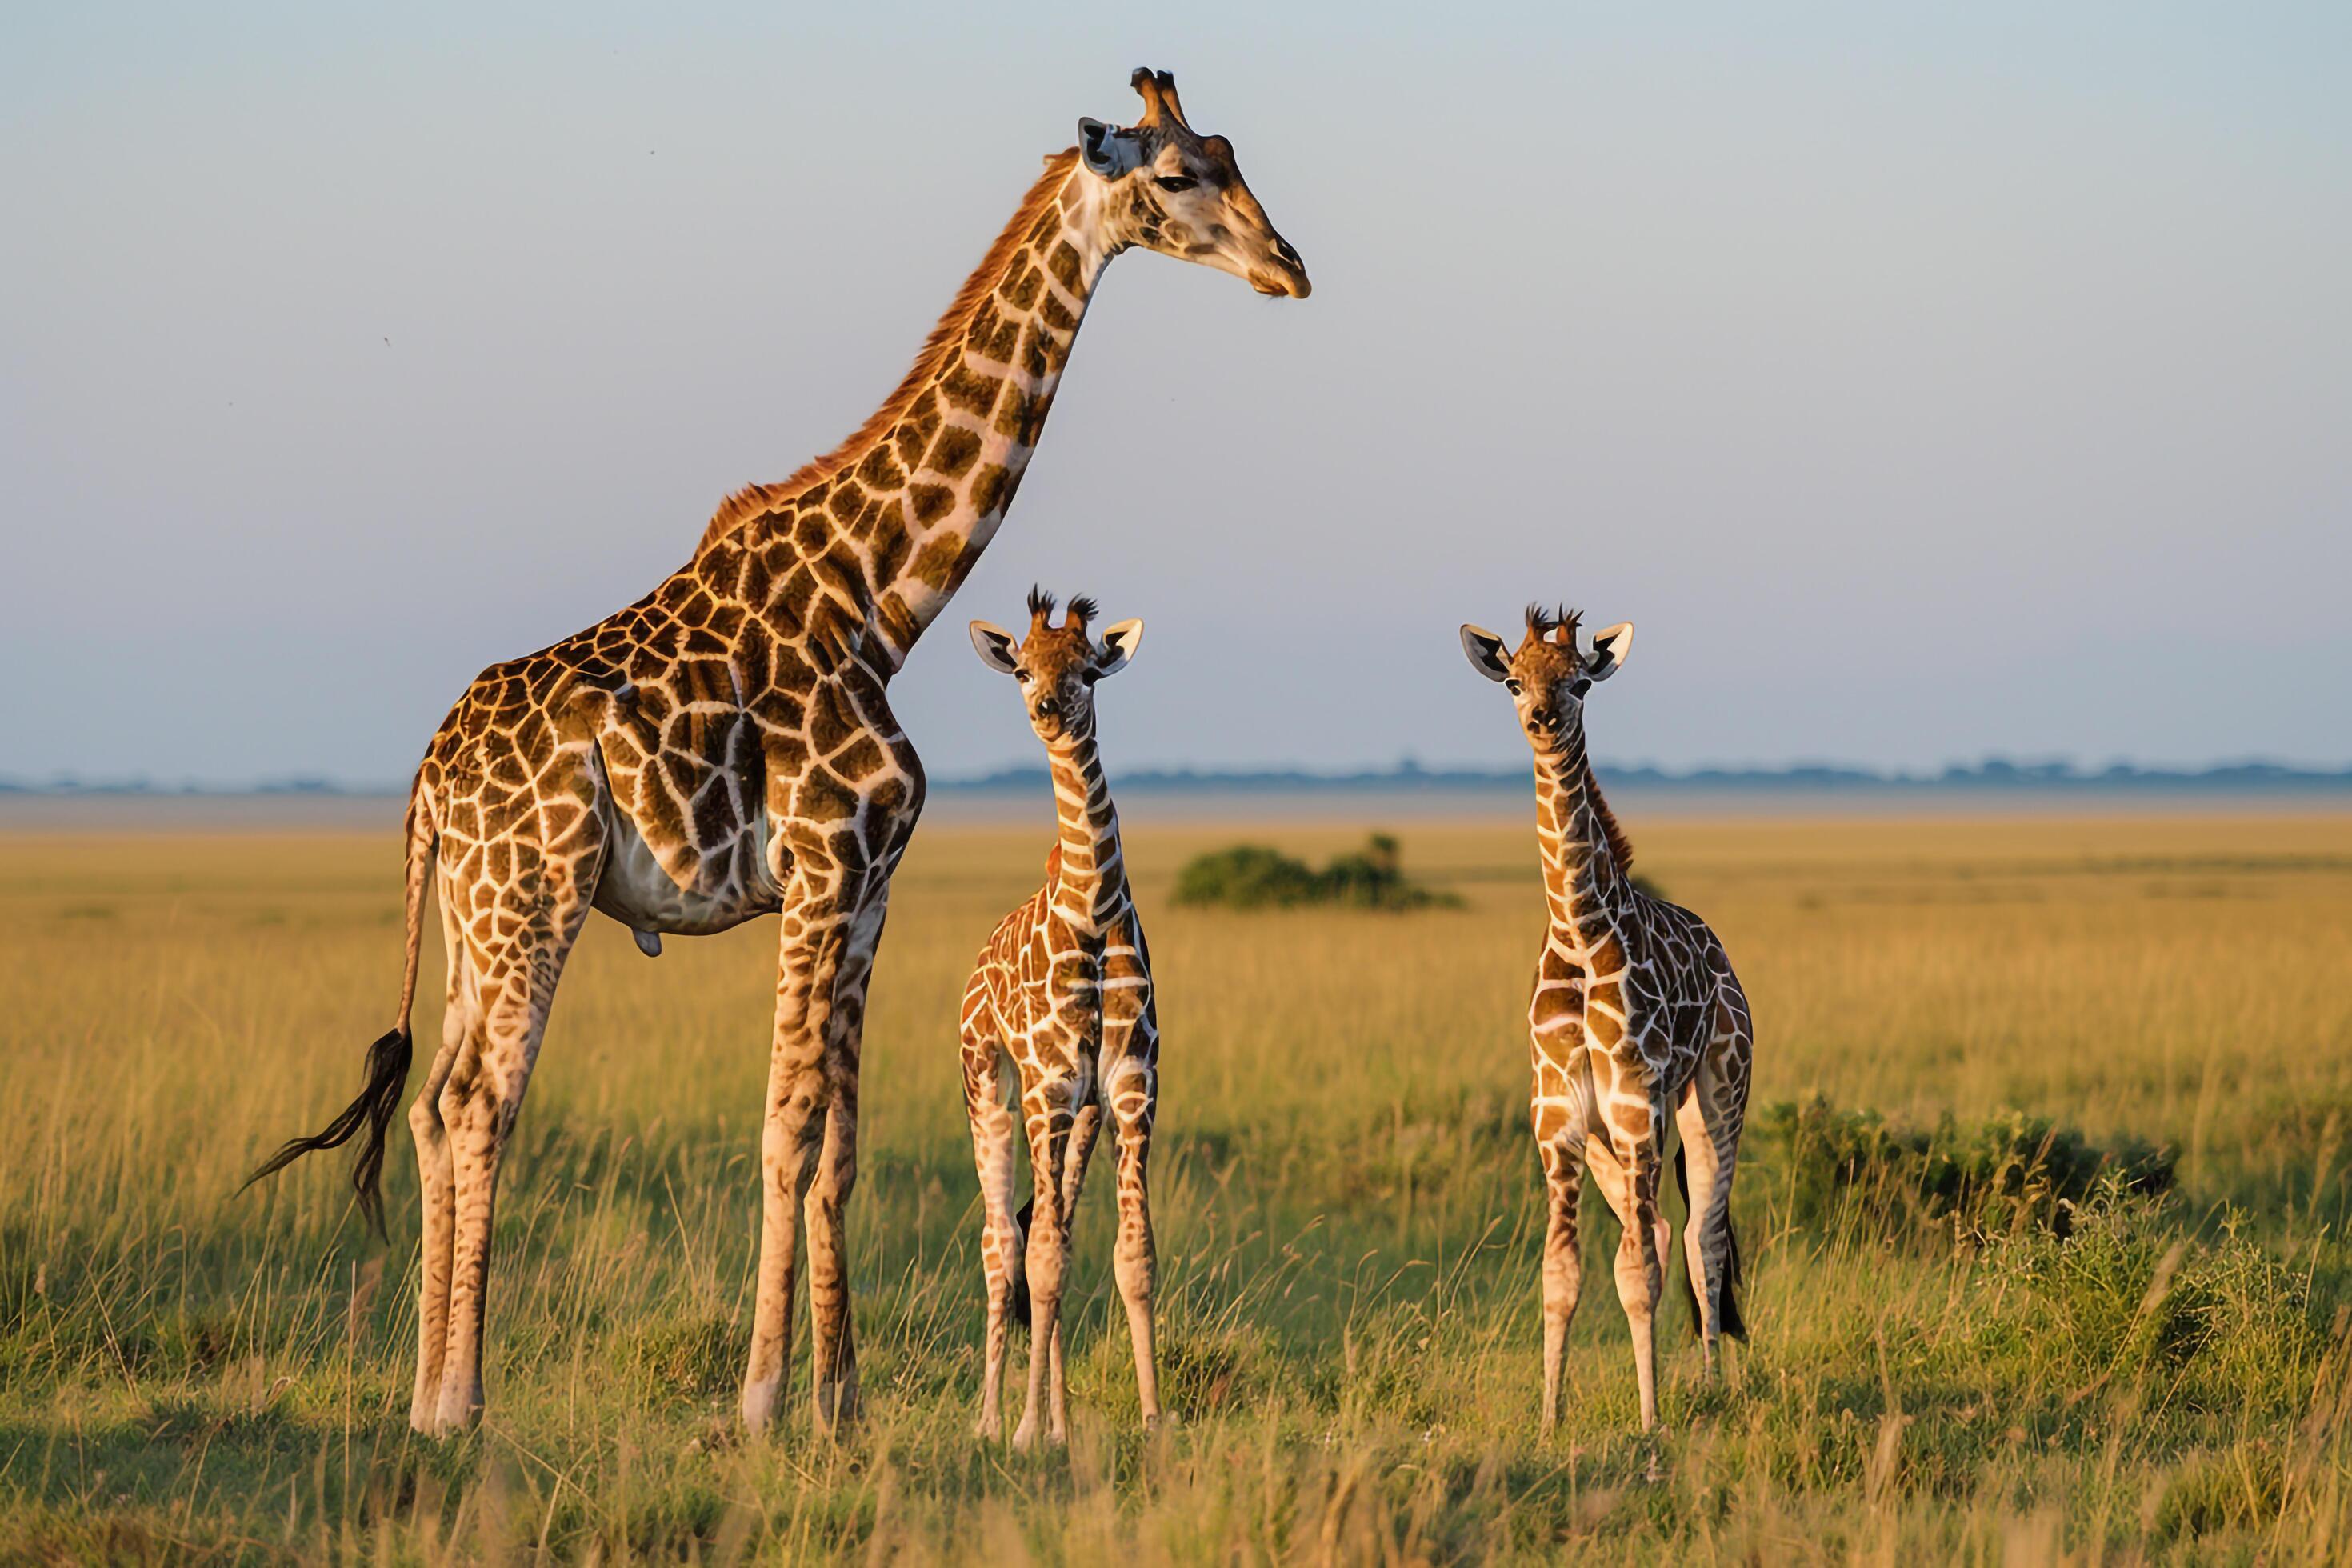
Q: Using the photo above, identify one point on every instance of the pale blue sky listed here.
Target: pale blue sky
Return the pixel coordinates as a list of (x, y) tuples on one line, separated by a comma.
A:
[(1975, 378)]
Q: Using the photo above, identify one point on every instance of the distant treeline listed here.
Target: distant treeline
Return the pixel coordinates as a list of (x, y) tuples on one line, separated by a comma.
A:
[(1993, 775)]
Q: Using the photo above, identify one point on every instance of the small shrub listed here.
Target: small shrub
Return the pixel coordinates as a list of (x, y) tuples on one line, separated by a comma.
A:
[(2128, 1307), (1981, 1178), (1253, 877)]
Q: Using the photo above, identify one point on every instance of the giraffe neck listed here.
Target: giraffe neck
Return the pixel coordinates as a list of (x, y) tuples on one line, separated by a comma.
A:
[(893, 520), (1587, 862), (1090, 888)]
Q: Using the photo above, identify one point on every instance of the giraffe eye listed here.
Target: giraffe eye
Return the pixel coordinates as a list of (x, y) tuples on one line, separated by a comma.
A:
[(1022, 676), (1513, 686), (1175, 181)]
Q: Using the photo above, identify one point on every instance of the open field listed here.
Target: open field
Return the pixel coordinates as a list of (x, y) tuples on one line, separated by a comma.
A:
[(1346, 1202)]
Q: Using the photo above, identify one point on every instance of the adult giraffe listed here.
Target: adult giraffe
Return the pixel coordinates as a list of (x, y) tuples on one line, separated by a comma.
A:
[(723, 748)]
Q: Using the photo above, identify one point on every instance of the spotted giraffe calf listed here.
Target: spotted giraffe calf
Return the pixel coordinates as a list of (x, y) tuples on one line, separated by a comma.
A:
[(1063, 990), (1636, 1014)]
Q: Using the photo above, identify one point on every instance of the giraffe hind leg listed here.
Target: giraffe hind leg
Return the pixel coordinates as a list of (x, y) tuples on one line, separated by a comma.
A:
[(518, 934), (1709, 1125), (437, 1195)]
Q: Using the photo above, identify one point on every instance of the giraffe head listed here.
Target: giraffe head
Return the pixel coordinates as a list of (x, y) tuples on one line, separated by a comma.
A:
[(1058, 666), (1180, 194), (1548, 676)]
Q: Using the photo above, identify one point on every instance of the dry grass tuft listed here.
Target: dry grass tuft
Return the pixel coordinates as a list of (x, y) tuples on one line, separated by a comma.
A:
[(1346, 1210)]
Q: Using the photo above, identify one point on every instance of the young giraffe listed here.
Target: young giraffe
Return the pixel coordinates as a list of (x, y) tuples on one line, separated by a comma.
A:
[(724, 748), (1636, 1014), (1064, 988)]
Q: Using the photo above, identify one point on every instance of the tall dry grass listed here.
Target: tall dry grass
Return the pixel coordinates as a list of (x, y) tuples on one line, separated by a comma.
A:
[(1346, 1208)]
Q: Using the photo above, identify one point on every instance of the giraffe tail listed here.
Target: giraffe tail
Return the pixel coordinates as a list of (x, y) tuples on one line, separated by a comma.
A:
[(387, 1059), (1732, 1323), (1021, 1309)]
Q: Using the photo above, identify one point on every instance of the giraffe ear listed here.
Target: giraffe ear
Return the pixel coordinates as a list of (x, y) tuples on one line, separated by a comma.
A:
[(1120, 644), (1609, 646), (1107, 150), (995, 646), (1485, 651)]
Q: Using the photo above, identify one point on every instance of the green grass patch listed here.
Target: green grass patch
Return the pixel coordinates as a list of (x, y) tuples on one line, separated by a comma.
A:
[(1253, 877), (1831, 1167)]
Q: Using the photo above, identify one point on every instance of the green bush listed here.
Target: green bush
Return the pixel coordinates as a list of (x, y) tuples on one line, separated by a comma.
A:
[(2010, 1171), (1252, 876)]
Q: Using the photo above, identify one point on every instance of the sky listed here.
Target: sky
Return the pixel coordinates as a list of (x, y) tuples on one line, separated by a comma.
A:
[(1926, 383)]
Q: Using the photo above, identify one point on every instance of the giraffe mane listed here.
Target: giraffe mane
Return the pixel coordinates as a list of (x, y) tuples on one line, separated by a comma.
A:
[(945, 341), (1620, 847)]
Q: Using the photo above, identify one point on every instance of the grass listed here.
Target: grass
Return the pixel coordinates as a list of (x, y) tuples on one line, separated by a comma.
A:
[(1346, 1208)]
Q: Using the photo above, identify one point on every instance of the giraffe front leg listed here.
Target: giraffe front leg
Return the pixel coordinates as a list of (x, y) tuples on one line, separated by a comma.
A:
[(793, 1123), (1050, 1116), (833, 1342), (1134, 1095), (1640, 1277), (1563, 1264), (1084, 1130), (1001, 1241)]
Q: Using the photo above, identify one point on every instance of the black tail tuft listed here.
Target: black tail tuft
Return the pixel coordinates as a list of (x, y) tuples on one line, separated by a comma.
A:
[(387, 1076), (1731, 1323), (1021, 1280)]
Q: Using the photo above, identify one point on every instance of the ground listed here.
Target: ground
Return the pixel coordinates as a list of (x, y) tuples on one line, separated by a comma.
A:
[(1348, 1215)]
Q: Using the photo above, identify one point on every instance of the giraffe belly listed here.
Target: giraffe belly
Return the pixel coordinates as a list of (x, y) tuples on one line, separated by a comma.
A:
[(637, 890)]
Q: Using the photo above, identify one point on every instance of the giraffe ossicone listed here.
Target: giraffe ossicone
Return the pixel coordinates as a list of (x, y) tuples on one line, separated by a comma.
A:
[(1062, 991), (725, 748), (1636, 1020)]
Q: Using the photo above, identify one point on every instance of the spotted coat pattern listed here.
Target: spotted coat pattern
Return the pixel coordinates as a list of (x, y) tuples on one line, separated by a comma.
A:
[(1636, 1020), (724, 749), (1062, 993)]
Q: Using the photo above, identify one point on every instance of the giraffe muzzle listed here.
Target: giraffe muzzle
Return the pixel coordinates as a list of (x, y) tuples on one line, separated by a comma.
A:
[(1287, 278)]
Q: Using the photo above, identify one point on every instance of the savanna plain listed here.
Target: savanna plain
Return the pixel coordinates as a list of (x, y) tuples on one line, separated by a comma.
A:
[(2042, 1208)]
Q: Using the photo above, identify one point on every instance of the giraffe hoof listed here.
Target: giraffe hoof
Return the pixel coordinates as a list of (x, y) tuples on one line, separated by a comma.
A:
[(758, 1406), (457, 1417), (836, 1407)]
